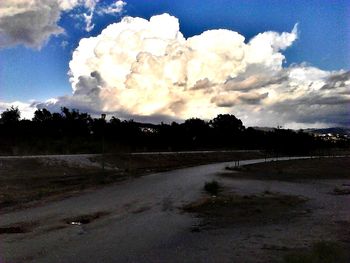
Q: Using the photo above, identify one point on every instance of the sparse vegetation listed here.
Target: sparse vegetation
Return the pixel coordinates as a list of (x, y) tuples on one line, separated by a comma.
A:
[(228, 209)]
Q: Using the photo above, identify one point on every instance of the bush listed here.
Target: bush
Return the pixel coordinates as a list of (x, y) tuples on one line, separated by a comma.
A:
[(212, 187)]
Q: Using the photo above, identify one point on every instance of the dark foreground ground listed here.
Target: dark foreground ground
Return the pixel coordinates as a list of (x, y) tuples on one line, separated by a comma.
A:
[(23, 180), (170, 217)]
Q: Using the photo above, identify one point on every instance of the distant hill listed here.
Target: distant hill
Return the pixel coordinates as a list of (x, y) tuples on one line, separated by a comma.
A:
[(265, 129), (334, 131)]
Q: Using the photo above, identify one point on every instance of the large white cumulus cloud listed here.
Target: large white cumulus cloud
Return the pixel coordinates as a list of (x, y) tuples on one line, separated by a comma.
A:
[(147, 68)]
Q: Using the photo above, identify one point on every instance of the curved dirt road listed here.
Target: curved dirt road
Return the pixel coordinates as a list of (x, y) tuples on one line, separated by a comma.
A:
[(140, 221)]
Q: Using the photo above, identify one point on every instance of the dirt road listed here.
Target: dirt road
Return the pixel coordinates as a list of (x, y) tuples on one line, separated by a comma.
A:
[(140, 220)]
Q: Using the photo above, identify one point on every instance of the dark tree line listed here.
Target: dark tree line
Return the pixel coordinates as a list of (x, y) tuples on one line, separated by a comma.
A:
[(71, 131)]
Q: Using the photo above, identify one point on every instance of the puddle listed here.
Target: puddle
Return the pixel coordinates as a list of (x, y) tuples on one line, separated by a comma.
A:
[(85, 219)]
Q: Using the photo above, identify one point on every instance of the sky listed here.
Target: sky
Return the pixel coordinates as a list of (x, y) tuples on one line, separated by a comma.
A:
[(267, 62)]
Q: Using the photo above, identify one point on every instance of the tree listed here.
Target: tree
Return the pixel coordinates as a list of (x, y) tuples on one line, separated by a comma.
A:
[(42, 115), (228, 130), (115, 121), (75, 123), (11, 115), (195, 126), (227, 123)]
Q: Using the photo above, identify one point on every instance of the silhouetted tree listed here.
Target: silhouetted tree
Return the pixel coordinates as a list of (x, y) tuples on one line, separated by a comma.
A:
[(196, 131), (11, 115), (195, 126), (228, 130), (71, 131), (42, 115), (227, 123)]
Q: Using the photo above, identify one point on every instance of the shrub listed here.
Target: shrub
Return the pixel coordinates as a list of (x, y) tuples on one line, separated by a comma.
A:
[(212, 187)]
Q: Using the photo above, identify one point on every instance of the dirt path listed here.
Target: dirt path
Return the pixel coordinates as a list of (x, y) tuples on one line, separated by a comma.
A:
[(140, 220), (27, 180)]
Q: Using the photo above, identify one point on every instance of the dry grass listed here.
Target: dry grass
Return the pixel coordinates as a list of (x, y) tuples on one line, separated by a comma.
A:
[(318, 168), (229, 209), (25, 180)]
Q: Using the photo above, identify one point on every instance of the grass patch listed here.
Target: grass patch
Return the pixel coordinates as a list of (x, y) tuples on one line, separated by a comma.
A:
[(321, 252), (230, 209)]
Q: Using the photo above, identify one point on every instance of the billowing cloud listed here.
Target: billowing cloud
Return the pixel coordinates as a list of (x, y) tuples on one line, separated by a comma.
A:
[(28, 22), (147, 68), (33, 22)]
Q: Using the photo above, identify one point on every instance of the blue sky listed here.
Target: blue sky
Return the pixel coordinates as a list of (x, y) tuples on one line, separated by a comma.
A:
[(28, 73)]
